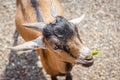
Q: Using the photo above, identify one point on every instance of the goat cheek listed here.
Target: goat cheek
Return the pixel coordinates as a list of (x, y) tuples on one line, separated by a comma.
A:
[(75, 51)]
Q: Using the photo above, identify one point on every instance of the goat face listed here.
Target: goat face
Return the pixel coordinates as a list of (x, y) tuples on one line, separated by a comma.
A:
[(63, 35)]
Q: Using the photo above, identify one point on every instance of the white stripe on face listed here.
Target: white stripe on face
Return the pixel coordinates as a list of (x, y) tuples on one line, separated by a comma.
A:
[(84, 51)]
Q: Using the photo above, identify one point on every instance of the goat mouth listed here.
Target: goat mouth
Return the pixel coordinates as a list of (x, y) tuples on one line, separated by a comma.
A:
[(85, 62)]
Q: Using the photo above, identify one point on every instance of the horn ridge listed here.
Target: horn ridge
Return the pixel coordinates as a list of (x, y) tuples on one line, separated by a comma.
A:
[(53, 10), (77, 20)]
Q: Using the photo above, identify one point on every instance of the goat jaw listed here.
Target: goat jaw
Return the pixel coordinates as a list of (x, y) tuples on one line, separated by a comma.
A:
[(54, 12), (77, 20), (30, 45), (37, 26)]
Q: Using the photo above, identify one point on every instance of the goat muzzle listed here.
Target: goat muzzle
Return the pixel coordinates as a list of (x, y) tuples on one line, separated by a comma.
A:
[(85, 58)]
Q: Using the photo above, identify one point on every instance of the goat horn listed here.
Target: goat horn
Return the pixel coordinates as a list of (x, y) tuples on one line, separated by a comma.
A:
[(30, 45), (54, 12), (37, 26), (77, 20)]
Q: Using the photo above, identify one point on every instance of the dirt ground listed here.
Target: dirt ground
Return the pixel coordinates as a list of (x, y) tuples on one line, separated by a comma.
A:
[(100, 30)]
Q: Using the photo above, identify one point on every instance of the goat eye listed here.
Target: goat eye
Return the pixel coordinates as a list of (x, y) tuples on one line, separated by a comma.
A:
[(54, 42), (54, 46)]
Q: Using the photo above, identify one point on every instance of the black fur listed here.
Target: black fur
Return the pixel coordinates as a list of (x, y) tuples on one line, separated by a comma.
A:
[(68, 66), (38, 14), (62, 29), (66, 48), (68, 76), (54, 78)]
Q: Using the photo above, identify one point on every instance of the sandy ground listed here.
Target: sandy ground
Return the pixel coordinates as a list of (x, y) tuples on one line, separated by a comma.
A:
[(100, 30)]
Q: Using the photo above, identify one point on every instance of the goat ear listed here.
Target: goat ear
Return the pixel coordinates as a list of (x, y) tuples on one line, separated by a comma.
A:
[(30, 45), (77, 20), (37, 26)]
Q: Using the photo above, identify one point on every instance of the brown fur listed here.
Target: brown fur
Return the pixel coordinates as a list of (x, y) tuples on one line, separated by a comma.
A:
[(54, 62)]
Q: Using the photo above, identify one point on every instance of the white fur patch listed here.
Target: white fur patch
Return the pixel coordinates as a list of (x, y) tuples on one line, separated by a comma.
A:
[(85, 51)]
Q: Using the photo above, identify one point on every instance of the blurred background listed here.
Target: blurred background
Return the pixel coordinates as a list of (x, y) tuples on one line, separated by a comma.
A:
[(100, 30)]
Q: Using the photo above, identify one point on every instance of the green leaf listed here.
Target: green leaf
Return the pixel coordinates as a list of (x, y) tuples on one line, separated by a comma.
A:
[(95, 52)]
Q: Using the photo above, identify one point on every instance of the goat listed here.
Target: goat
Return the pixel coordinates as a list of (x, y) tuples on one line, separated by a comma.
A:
[(42, 25)]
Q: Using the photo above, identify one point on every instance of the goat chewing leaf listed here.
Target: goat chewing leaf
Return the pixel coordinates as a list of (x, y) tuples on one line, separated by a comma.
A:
[(95, 52)]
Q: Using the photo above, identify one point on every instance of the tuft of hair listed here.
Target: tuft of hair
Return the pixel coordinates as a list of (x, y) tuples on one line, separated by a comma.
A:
[(62, 29)]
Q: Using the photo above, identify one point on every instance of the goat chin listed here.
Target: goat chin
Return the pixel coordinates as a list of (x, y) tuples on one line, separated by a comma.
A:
[(85, 63)]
